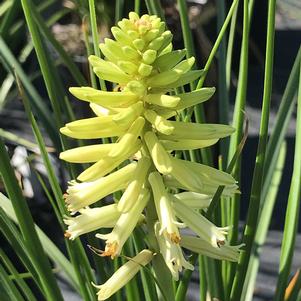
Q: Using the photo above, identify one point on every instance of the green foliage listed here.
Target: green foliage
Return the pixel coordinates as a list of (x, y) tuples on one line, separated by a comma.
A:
[(40, 257)]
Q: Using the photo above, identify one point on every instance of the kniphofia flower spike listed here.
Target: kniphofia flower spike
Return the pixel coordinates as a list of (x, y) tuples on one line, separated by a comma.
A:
[(140, 117)]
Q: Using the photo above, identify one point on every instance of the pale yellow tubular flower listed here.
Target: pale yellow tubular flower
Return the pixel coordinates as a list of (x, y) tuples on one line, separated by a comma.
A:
[(194, 200), (162, 100), (124, 226), (200, 224), (207, 189), (103, 111), (164, 208), (104, 98), (161, 158), (109, 130), (184, 79), (194, 97), (108, 71), (111, 50), (87, 154), (107, 164), (126, 142), (128, 116), (160, 124), (131, 194), (137, 87), (91, 219), (201, 246), (167, 49), (128, 67), (184, 176), (185, 65), (172, 253), (185, 144), (80, 195), (168, 60), (123, 275), (94, 123), (206, 174), (196, 131)]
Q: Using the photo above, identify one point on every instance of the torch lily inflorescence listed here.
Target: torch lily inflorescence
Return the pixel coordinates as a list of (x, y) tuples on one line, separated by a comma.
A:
[(141, 117)]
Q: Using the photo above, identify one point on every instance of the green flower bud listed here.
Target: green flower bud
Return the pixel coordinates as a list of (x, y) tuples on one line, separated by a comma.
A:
[(145, 70), (130, 52), (156, 43), (128, 67), (139, 44), (149, 56), (120, 36)]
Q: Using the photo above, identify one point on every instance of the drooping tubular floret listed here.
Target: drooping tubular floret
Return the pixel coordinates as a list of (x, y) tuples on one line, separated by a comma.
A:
[(139, 113)]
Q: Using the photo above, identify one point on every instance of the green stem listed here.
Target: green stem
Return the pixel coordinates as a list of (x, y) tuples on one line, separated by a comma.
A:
[(137, 7), (54, 87), (230, 48), (187, 33), (63, 54), (263, 226), (149, 288), (95, 36), (223, 97), (217, 43), (119, 4), (154, 8), (281, 123), (131, 289), (89, 50), (252, 217), (183, 285), (238, 120), (292, 211)]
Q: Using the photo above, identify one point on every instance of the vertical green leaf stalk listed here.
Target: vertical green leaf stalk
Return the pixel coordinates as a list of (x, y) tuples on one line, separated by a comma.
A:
[(272, 168), (238, 116), (231, 39), (137, 6), (263, 226), (89, 49), (119, 5), (93, 22), (67, 60), (292, 211), (281, 124), (187, 33), (154, 7), (253, 210), (217, 42), (223, 97), (50, 76), (199, 112)]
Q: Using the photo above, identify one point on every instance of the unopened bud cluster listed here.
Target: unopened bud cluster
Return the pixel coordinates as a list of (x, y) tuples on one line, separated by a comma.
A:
[(140, 113)]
